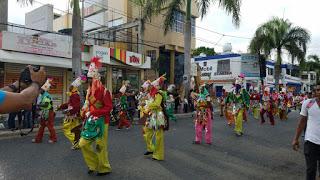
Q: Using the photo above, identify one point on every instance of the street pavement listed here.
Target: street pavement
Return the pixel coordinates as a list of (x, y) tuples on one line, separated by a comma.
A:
[(264, 152)]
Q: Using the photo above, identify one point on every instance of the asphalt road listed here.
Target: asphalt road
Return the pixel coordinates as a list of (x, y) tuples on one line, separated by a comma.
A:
[(264, 152)]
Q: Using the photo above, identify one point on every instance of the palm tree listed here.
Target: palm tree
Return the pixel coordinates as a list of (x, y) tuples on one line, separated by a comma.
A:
[(171, 7), (76, 38), (279, 34), (4, 12)]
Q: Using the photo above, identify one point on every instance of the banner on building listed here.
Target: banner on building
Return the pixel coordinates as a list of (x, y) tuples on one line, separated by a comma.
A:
[(102, 52), (36, 45), (250, 65)]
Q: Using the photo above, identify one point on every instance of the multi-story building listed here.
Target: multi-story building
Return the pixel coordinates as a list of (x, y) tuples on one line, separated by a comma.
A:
[(289, 77), (309, 80), (116, 24)]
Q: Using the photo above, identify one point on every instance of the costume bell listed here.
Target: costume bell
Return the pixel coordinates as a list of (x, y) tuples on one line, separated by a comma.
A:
[(47, 114), (266, 106), (96, 111), (203, 120), (72, 122), (156, 123)]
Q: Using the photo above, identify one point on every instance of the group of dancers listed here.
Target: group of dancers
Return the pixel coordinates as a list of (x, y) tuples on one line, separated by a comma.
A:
[(87, 127)]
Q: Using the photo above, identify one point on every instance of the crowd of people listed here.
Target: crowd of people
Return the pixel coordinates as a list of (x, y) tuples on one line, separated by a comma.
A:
[(86, 126)]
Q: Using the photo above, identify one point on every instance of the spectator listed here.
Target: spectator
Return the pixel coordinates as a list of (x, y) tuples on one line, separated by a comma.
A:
[(27, 119), (310, 113), (12, 121)]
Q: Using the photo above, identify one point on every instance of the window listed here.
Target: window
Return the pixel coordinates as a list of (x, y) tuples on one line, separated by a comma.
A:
[(152, 54), (313, 77), (223, 67), (304, 77), (179, 20), (270, 71)]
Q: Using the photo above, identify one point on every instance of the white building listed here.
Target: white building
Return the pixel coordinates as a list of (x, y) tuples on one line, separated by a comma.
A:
[(309, 80), (289, 77), (222, 70)]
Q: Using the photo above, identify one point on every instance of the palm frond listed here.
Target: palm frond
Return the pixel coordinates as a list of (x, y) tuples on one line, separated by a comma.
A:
[(232, 7), (172, 9), (203, 6)]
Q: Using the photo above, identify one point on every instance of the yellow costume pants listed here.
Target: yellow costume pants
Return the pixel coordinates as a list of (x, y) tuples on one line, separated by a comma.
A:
[(68, 125), (158, 147), (96, 158), (256, 112), (238, 122)]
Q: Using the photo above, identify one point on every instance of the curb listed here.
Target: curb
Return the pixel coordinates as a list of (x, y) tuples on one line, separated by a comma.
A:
[(16, 133)]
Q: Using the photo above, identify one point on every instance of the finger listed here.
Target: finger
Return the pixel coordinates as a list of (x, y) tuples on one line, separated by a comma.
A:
[(30, 69)]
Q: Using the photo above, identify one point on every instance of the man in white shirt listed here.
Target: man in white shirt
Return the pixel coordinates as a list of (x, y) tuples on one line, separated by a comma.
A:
[(310, 117)]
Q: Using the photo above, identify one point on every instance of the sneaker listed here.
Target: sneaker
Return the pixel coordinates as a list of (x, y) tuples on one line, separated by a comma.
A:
[(103, 174), (148, 153), (51, 141), (35, 141), (90, 172)]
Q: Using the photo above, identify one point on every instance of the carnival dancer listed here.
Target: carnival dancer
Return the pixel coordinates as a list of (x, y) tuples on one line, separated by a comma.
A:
[(47, 114), (255, 104), (229, 107), (203, 119), (170, 102), (240, 99), (123, 114), (283, 105), (72, 122), (222, 102), (157, 122), (266, 106), (142, 98), (96, 111), (275, 101)]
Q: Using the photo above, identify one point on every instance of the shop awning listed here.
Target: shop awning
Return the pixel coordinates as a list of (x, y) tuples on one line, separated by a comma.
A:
[(34, 59)]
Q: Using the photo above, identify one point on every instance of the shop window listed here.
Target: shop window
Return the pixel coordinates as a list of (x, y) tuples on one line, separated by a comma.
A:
[(179, 20), (270, 71)]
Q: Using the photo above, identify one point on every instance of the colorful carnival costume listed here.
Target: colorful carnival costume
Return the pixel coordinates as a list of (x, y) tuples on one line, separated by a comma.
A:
[(240, 99), (222, 102), (170, 102), (283, 105), (96, 110), (203, 117), (267, 106), (255, 104), (142, 98), (123, 114), (47, 114), (157, 121), (72, 122)]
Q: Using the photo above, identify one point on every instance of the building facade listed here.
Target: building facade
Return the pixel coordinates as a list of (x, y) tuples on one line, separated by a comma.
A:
[(117, 24), (309, 80)]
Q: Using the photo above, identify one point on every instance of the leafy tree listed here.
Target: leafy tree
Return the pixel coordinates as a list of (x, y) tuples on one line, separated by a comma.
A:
[(279, 34), (205, 50)]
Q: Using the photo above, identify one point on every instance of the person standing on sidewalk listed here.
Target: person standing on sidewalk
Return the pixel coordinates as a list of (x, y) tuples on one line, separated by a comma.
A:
[(310, 112), (47, 114)]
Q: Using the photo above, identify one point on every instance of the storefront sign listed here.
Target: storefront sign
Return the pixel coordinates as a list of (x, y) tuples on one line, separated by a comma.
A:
[(36, 45), (250, 65), (222, 73), (133, 59), (102, 52)]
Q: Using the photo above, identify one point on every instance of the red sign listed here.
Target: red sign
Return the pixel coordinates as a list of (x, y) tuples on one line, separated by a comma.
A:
[(134, 59)]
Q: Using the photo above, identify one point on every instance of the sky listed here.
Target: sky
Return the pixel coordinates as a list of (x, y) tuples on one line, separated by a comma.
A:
[(253, 14)]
